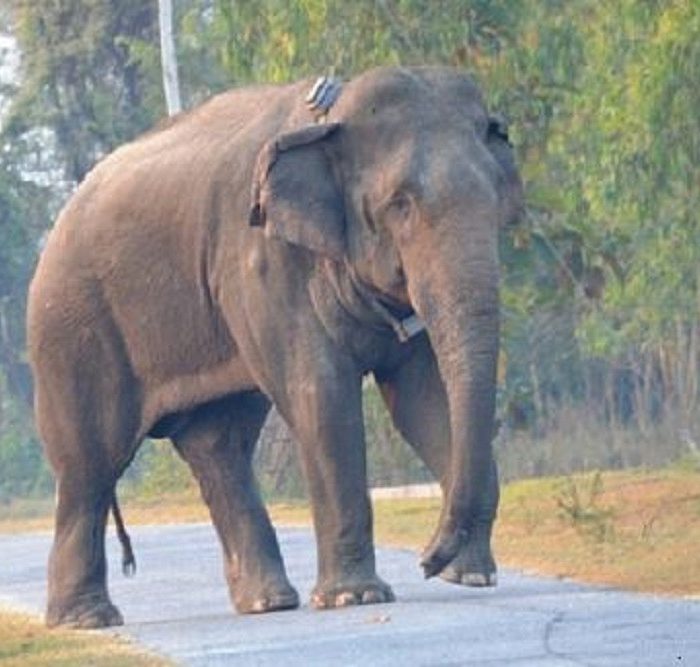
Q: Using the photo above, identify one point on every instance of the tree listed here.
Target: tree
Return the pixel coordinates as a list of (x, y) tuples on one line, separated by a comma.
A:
[(82, 79), (81, 92), (636, 138)]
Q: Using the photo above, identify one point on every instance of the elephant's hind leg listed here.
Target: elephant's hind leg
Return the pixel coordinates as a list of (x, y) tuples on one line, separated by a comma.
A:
[(416, 399), (87, 418), (77, 594), (85, 483), (218, 445)]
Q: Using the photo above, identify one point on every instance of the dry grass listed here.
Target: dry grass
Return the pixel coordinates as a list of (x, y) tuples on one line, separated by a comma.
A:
[(636, 530), (640, 532), (22, 516), (25, 642)]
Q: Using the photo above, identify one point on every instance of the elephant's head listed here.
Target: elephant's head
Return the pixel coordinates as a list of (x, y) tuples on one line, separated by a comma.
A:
[(408, 182)]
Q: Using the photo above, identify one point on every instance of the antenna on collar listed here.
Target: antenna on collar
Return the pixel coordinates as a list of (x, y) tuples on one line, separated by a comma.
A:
[(323, 96)]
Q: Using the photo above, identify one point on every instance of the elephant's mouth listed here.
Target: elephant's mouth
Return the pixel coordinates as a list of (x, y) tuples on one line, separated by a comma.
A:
[(373, 307)]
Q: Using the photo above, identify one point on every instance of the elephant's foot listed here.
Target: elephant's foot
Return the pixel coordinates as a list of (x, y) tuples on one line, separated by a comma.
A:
[(255, 599), (370, 591), (88, 612), (464, 576), (474, 564)]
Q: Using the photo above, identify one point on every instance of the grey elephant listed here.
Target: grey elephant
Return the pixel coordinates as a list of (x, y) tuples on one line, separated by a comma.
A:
[(272, 246)]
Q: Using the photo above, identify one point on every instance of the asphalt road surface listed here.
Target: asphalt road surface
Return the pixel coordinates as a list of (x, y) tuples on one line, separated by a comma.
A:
[(177, 604)]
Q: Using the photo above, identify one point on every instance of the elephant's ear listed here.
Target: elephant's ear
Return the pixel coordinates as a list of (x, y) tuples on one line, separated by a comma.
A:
[(295, 196), (510, 184)]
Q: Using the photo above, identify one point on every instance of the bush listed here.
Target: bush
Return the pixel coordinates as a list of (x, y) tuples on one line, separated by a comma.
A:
[(23, 470), (158, 469)]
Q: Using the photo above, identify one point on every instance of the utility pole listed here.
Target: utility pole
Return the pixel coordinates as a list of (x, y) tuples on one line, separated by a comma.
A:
[(168, 58)]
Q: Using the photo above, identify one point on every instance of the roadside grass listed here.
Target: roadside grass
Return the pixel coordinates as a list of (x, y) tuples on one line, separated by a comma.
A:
[(25, 642), (638, 530), (35, 515), (26, 515)]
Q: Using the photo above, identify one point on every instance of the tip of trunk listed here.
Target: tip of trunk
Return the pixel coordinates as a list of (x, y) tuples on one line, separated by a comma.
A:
[(441, 551)]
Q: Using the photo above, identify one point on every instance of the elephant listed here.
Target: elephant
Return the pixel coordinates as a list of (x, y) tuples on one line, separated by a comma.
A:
[(275, 246)]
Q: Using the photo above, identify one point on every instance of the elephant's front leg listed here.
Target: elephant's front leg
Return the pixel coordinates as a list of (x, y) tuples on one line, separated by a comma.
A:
[(218, 443), (416, 398), (324, 410)]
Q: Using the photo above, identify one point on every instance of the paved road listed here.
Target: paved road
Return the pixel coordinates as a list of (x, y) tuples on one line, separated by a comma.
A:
[(178, 605)]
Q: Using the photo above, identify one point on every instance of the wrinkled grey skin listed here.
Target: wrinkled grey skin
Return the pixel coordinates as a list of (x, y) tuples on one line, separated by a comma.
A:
[(231, 259)]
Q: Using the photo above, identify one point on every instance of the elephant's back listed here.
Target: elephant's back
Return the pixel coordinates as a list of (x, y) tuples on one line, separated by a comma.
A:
[(135, 241), (167, 191), (183, 159)]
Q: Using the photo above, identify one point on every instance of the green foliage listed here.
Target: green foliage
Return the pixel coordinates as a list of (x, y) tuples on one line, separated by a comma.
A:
[(636, 135), (274, 41), (158, 469), (23, 471), (389, 459), (689, 463), (80, 79), (22, 218)]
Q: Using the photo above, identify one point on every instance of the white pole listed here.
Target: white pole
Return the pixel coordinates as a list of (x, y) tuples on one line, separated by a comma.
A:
[(168, 59)]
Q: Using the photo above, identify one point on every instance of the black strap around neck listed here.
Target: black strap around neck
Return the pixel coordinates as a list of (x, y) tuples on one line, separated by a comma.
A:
[(405, 326)]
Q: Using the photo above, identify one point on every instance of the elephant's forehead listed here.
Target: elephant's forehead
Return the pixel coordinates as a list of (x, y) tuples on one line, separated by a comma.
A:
[(417, 94)]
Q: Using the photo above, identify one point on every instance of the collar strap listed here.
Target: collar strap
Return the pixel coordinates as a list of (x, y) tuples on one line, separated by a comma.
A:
[(409, 327), (405, 328)]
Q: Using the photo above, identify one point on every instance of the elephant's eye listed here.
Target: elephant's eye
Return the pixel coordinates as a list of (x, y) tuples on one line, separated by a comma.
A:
[(399, 206)]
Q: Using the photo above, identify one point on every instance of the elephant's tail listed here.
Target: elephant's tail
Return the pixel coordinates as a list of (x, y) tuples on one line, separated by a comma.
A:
[(128, 559)]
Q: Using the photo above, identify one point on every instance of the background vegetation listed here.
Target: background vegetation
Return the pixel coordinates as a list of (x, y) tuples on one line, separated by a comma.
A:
[(600, 284)]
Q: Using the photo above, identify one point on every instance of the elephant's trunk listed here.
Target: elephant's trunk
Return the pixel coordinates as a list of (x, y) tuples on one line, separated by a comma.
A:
[(462, 317)]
